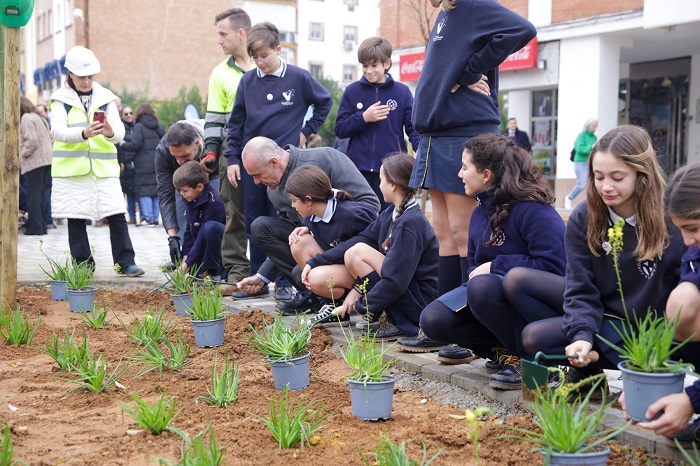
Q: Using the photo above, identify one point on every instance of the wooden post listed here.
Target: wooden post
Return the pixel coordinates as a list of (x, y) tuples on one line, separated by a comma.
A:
[(9, 175)]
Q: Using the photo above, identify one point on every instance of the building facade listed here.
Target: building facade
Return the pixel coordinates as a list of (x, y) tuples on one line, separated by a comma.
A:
[(628, 61), (162, 45)]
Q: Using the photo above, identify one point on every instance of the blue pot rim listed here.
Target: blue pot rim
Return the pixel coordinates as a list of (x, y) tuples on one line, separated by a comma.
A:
[(197, 321), (599, 451), (306, 355), (387, 379), (621, 366)]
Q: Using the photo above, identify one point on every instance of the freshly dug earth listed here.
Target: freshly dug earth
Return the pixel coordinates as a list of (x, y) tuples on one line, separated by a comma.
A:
[(51, 426)]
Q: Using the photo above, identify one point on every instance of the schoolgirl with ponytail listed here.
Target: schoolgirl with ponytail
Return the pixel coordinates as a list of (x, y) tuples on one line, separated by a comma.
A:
[(330, 216), (389, 267)]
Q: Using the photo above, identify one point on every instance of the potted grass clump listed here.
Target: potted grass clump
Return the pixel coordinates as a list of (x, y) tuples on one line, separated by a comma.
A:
[(207, 317), (180, 285), (371, 388), (79, 290), (648, 344), (286, 349), (57, 274), (569, 431)]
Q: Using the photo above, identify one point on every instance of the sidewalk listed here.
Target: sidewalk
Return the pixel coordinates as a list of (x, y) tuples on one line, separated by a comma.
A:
[(151, 246)]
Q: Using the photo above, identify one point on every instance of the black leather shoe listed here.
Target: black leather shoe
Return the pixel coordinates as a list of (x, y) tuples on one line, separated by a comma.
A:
[(454, 354), (687, 437), (509, 378), (419, 344), (240, 294), (304, 301)]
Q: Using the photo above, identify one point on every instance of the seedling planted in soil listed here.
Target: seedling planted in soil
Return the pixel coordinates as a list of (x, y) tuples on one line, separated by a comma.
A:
[(391, 454), (224, 386), (7, 451), (94, 376), (155, 358), (95, 318), (155, 417), (198, 451), (67, 353), (151, 328), (17, 330), (290, 426)]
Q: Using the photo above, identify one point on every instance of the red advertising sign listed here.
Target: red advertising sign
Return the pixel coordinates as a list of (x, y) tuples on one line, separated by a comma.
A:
[(411, 66), (523, 59)]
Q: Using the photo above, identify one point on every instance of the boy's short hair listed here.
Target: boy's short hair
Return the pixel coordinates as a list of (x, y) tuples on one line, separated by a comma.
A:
[(263, 35), (374, 49), (189, 174)]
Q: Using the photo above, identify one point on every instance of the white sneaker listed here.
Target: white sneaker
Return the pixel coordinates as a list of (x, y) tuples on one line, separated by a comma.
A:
[(567, 203)]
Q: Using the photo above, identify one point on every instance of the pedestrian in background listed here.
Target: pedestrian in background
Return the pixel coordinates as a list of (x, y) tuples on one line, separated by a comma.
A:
[(147, 134), (85, 125), (521, 138), (582, 147), (35, 164), (126, 163)]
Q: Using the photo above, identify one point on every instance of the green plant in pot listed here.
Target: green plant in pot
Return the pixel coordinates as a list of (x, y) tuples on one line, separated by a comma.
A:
[(79, 290), (207, 316), (180, 284), (568, 429), (286, 348), (647, 346), (57, 274), (371, 388)]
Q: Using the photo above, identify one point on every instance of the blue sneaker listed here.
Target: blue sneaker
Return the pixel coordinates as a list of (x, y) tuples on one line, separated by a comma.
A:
[(240, 294), (132, 271), (284, 293)]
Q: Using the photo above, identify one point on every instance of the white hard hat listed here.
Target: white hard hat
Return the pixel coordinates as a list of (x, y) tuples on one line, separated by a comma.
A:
[(82, 62)]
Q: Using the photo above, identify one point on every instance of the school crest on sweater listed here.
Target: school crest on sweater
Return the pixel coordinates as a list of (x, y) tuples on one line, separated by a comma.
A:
[(647, 268)]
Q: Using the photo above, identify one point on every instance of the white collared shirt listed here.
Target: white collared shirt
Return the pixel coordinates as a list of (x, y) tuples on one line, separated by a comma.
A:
[(631, 220), (328, 214)]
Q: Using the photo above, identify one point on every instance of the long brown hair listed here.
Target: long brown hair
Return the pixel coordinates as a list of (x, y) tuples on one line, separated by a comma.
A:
[(310, 183), (682, 197), (397, 170), (26, 106), (632, 145), (516, 177)]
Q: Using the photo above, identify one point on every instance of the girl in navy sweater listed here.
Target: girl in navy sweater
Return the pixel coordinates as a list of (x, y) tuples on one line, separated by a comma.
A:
[(330, 216), (391, 265), (682, 202), (514, 225), (624, 182), (457, 98)]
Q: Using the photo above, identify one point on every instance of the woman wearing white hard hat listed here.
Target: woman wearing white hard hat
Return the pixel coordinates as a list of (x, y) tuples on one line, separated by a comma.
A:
[(86, 126)]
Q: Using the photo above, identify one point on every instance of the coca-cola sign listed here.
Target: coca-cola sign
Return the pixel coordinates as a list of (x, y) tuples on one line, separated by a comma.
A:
[(411, 66), (523, 59)]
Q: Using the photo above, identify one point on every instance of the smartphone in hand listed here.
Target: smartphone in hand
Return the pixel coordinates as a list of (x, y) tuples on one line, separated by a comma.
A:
[(99, 116)]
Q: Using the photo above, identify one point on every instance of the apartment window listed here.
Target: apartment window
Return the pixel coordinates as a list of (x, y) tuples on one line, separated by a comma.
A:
[(349, 73), (350, 34), (315, 31), (69, 13), (316, 70)]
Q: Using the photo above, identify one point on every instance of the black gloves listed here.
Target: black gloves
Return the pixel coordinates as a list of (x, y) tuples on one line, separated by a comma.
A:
[(174, 246)]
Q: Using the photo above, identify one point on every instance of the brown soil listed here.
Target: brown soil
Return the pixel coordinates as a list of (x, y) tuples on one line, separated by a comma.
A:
[(53, 427)]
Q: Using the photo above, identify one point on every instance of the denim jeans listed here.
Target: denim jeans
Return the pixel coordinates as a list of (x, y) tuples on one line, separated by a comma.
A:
[(150, 209), (581, 170), (131, 205)]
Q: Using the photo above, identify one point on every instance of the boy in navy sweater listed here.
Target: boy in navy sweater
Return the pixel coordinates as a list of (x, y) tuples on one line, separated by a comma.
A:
[(374, 112), (206, 217), (271, 101)]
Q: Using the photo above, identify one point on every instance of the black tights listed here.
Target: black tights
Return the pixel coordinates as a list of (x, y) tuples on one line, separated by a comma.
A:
[(491, 308), (441, 323)]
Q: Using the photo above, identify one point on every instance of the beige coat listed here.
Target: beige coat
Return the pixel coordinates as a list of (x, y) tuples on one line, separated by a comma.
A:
[(35, 143)]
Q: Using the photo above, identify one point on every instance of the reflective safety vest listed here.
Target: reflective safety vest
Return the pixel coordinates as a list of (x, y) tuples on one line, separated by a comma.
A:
[(78, 159)]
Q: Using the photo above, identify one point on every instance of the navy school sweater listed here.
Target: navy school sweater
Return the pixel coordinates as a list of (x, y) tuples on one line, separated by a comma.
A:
[(208, 207), (275, 107), (472, 39), (349, 219), (370, 142), (532, 236), (591, 283), (411, 259)]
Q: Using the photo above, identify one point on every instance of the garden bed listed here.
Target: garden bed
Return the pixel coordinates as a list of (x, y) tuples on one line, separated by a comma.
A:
[(51, 426)]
